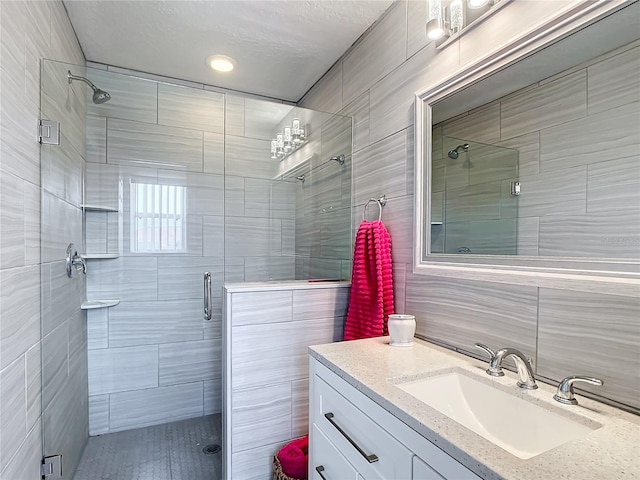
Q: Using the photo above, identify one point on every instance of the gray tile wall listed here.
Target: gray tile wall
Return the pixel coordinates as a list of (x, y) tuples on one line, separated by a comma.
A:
[(266, 353), (241, 224), (460, 312), (31, 31)]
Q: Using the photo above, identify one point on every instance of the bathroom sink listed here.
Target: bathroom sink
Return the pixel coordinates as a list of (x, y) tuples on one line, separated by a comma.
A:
[(516, 425)]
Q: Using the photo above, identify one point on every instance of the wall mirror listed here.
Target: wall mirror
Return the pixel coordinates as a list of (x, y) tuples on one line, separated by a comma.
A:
[(528, 164)]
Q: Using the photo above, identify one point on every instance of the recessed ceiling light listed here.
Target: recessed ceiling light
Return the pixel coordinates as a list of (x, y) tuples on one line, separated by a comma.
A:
[(221, 63)]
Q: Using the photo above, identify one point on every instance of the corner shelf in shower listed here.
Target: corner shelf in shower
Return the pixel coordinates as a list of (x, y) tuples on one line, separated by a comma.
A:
[(99, 208), (92, 256), (94, 304)]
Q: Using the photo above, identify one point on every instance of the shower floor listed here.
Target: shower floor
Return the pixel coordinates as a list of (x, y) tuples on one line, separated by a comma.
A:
[(172, 451)]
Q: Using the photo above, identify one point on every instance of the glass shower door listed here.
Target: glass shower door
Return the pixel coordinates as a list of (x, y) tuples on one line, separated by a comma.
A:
[(64, 404)]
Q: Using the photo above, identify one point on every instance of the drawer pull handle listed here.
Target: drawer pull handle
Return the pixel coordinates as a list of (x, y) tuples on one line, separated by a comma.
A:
[(370, 458), (320, 469)]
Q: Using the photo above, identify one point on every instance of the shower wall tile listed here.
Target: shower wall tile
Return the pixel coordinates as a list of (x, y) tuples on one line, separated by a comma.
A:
[(20, 312), (132, 98), (126, 278), (479, 125), (613, 82), (615, 234), (269, 199), (283, 347), (55, 363), (96, 139), (214, 153), (61, 225), (320, 303), (554, 193), (63, 171), (613, 185), (367, 63), (190, 108), (205, 193), (487, 237), (96, 233), (234, 194), (64, 101), (274, 307), (234, 115), (594, 334), (212, 397), (150, 323), (122, 369), (259, 269), (359, 111), (564, 145), (104, 184), (33, 369), (213, 232), (528, 147), (97, 328), (550, 104), (336, 137), (140, 144), (98, 414), (462, 312), (11, 221), (261, 118), (416, 15), (13, 410), (187, 362), (381, 168), (252, 237), (62, 297), (243, 155), (31, 203), (392, 98), (300, 407), (27, 461), (326, 95), (261, 415), (289, 238), (473, 202), (399, 287), (181, 277), (321, 268), (155, 406)]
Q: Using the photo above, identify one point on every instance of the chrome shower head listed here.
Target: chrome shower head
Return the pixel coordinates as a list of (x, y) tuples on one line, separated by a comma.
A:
[(453, 154), (99, 96)]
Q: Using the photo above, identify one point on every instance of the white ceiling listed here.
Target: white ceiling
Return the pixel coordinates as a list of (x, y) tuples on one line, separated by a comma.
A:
[(281, 47)]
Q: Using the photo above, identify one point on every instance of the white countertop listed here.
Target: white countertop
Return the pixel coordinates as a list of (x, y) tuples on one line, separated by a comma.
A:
[(374, 367), (285, 285)]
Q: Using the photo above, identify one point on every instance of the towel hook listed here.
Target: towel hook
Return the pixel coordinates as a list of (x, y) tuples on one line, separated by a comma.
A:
[(381, 201)]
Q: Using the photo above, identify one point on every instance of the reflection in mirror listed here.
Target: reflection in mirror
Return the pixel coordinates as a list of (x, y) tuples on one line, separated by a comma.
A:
[(472, 208), (539, 159)]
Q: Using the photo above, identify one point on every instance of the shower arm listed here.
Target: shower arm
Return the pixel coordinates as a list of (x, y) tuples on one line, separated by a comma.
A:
[(73, 77)]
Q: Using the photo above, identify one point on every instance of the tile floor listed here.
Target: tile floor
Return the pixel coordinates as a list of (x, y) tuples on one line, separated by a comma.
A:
[(172, 451)]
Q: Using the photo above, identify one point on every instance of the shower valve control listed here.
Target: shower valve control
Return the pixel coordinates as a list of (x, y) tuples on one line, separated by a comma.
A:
[(515, 188)]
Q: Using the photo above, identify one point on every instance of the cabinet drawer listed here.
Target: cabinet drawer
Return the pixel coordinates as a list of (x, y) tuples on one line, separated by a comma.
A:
[(327, 459), (422, 471), (367, 446)]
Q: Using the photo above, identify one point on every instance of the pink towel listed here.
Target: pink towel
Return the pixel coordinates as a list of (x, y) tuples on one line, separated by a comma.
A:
[(371, 299)]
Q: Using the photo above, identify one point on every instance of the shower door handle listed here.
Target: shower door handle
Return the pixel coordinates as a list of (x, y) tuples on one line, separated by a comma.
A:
[(207, 296)]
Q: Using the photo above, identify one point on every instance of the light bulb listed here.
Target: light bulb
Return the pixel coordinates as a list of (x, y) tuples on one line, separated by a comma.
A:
[(457, 16), (477, 3), (287, 137), (274, 149)]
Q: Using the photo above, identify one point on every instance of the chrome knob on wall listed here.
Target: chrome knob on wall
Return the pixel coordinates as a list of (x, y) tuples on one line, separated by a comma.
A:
[(75, 261)]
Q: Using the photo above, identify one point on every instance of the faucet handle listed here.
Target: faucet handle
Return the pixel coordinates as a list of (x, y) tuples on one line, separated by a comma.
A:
[(565, 389), (486, 349)]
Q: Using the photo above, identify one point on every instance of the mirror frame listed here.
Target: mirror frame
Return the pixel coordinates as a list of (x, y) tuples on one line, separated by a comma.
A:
[(613, 276)]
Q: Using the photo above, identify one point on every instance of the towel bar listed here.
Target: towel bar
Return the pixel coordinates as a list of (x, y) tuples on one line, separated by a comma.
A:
[(381, 201)]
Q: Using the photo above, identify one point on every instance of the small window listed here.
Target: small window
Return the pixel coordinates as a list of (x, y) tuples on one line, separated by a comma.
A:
[(158, 218)]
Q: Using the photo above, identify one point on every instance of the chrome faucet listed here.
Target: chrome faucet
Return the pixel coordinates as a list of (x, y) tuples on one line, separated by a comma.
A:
[(565, 389), (525, 372)]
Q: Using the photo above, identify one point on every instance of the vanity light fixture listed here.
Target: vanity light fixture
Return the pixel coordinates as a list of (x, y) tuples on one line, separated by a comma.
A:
[(448, 18), (221, 63), (288, 141), (477, 3)]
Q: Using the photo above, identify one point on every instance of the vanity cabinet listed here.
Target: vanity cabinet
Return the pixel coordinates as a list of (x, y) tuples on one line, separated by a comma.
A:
[(351, 436)]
